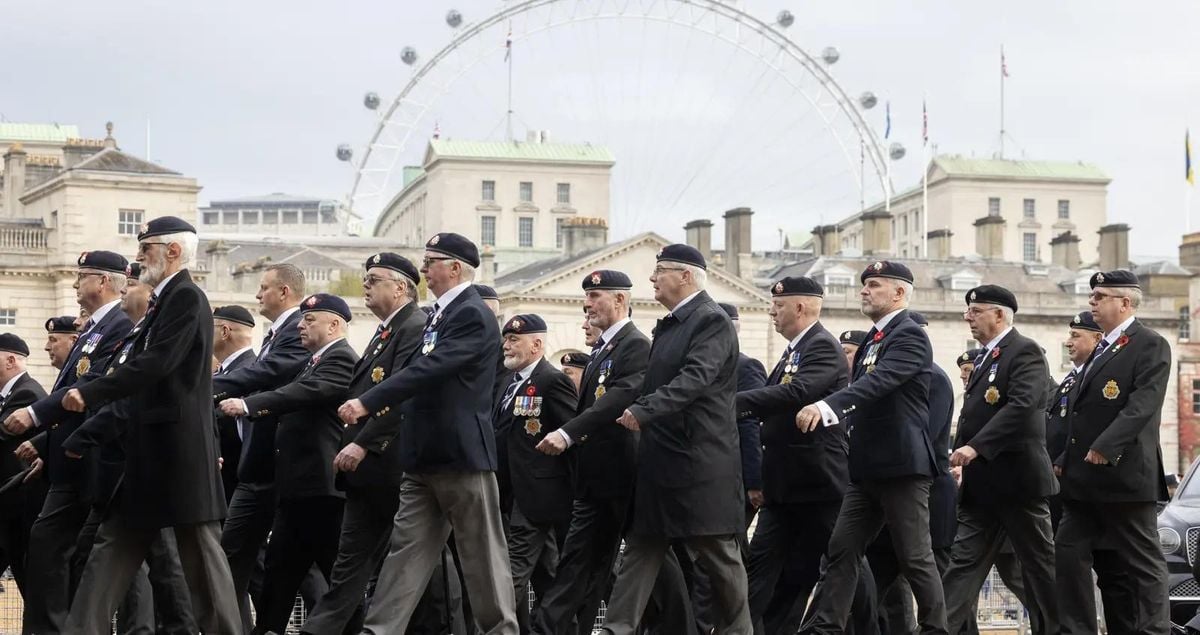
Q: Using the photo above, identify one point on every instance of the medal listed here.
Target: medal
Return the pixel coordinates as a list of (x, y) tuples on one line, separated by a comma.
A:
[(992, 372), (81, 368), (532, 426), (1111, 390), (871, 368), (1063, 412), (599, 391), (429, 341), (786, 379), (377, 374), (991, 395)]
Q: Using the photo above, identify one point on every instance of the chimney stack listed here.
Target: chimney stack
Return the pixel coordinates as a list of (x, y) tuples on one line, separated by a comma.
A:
[(487, 266), (14, 180), (698, 234), (939, 244), (1064, 251), (826, 240), (1189, 252), (1114, 247), (584, 234), (989, 237), (876, 233), (737, 238), (218, 266)]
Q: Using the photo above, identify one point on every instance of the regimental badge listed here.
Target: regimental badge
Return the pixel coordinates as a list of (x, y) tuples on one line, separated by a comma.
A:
[(1111, 389), (377, 374), (972, 296), (991, 395), (376, 259), (599, 391), (515, 324), (596, 277), (312, 301), (878, 266), (786, 379), (1076, 320), (778, 287), (1100, 278), (533, 426), (659, 255), (81, 368), (144, 228), (435, 239), (83, 258), (870, 368)]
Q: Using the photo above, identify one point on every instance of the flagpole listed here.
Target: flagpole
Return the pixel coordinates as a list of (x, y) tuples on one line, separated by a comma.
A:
[(510, 110), (1002, 101), (924, 179)]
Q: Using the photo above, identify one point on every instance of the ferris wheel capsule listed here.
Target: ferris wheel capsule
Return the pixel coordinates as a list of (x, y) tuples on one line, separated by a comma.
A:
[(371, 100), (868, 100), (896, 151), (408, 55), (830, 55), (344, 152), (453, 18), (785, 18)]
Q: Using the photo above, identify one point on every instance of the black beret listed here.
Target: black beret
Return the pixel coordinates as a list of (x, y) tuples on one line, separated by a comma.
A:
[(326, 302), (234, 313), (969, 356), (852, 337), (103, 261), (524, 324), (992, 294), (886, 269), (164, 225), (575, 360), (1085, 322), (729, 310), (684, 254), (1119, 278), (919, 318), (61, 324), (798, 285), (395, 262), (607, 280), (10, 343), (486, 292), (133, 270), (454, 245)]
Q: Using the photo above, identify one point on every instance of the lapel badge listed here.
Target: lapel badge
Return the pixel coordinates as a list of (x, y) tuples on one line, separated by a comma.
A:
[(377, 374), (870, 368), (599, 391), (533, 426), (1111, 390), (786, 379), (83, 366), (991, 395)]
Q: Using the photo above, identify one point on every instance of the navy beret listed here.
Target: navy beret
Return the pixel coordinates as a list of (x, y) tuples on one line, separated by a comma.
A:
[(919, 318), (684, 254), (10, 343), (524, 324), (164, 225), (607, 280), (454, 245), (729, 309), (1085, 322), (485, 292), (234, 313), (992, 294), (133, 270), (61, 324), (887, 269), (395, 262), (852, 337), (969, 356), (1119, 278), (103, 261), (575, 360), (326, 302), (798, 285)]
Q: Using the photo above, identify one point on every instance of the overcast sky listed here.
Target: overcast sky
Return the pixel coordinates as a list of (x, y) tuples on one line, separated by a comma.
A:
[(253, 97)]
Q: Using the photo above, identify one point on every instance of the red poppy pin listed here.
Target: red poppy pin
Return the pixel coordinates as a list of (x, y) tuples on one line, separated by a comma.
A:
[(531, 391), (996, 353), (878, 336), (1123, 340), (384, 335)]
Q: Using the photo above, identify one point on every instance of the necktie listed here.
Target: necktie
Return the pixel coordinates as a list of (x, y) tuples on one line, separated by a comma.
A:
[(87, 326), (511, 391), (597, 347), (152, 305), (1100, 348), (778, 372), (429, 320)]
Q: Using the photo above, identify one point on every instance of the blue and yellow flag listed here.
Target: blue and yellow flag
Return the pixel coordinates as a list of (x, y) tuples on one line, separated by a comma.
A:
[(1187, 157)]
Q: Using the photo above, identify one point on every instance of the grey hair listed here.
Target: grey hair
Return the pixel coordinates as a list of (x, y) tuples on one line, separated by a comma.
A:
[(908, 290), (699, 276), (188, 243), (1008, 314), (1134, 295), (116, 280), (468, 272)]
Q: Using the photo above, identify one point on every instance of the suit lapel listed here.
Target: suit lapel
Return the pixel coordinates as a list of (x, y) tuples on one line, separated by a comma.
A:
[(369, 355), (988, 360), (1092, 370), (609, 347)]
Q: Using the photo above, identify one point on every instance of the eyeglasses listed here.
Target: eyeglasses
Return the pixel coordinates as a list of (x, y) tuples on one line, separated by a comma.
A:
[(975, 310), (372, 280), (425, 262), (80, 276), (658, 271), (142, 247), (1096, 296)]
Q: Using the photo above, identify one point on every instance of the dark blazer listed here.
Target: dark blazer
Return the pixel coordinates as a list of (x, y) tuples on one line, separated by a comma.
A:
[(444, 394), (309, 432), (603, 453), (383, 357), (538, 483), (230, 443), (1116, 409), (277, 364), (750, 375), (58, 423), (24, 393), (1056, 417), (689, 473), (943, 492), (1002, 420), (171, 475), (798, 467), (889, 405)]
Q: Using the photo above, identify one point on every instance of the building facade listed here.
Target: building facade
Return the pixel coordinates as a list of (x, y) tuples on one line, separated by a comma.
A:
[(280, 215)]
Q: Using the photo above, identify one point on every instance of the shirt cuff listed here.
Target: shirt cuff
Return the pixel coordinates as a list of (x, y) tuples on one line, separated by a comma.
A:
[(245, 410), (566, 437), (828, 418), (33, 415)]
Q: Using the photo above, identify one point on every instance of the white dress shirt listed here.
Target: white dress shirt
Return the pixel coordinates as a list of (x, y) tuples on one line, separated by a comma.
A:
[(828, 417)]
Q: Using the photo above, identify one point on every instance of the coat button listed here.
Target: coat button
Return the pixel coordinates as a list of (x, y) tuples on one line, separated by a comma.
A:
[(1072, 440)]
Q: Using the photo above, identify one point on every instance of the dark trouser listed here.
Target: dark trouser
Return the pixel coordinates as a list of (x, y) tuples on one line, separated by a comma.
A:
[(794, 534), (21, 509), (1131, 531), (903, 504), (584, 567), (305, 532), (48, 564), (699, 587), (895, 595), (247, 523), (528, 543)]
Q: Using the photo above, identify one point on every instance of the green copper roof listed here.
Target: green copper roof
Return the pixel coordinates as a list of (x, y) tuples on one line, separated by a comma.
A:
[(520, 151), (959, 166), (37, 132)]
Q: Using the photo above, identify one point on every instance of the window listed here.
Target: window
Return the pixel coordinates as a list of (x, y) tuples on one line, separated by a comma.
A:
[(8, 317), (1029, 208), (488, 192), (1185, 323), (993, 206), (564, 193), (1029, 247), (1066, 358), (310, 217), (526, 192), (558, 232), (229, 217), (212, 218), (129, 221), (1064, 209), (291, 217), (249, 217), (270, 217), (525, 232), (838, 280), (487, 230), (1196, 396), (904, 219)]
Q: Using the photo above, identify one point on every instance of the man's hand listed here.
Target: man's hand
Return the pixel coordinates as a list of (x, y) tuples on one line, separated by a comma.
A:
[(629, 421), (1095, 458), (26, 452), (552, 444), (1058, 470), (73, 401), (756, 497), (73, 455), (232, 407), (37, 469), (963, 456), (808, 418), (351, 411), (348, 459), (18, 422), (956, 472)]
